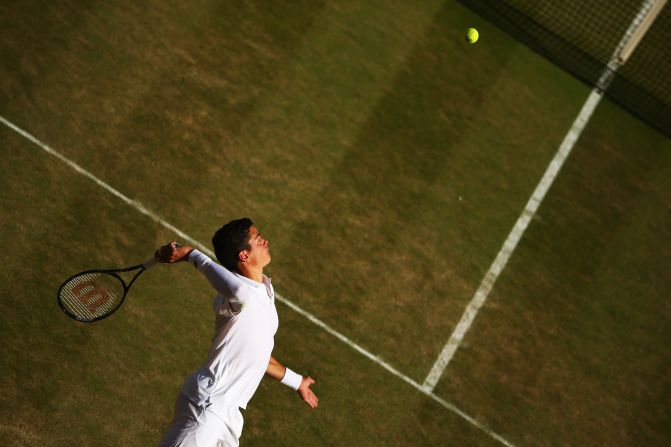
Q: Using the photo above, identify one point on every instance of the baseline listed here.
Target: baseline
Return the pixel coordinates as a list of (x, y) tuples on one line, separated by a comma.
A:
[(185, 237)]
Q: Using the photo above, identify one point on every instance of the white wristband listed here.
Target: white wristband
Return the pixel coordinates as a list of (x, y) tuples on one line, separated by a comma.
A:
[(291, 379)]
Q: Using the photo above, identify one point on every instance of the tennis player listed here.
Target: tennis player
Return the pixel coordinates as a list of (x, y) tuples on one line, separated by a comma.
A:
[(208, 408)]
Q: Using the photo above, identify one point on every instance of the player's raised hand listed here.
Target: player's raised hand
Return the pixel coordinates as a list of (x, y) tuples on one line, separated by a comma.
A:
[(172, 252), (306, 393)]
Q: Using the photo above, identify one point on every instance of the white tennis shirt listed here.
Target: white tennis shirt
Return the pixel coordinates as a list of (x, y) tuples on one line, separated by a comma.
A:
[(245, 322)]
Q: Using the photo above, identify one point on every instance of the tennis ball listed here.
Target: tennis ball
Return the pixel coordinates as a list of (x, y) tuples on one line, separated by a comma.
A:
[(472, 35)]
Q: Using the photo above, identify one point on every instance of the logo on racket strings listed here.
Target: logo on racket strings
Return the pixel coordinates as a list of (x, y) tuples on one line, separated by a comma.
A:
[(93, 298)]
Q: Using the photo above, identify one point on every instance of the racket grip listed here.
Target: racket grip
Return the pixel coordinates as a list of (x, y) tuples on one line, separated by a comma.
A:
[(149, 263)]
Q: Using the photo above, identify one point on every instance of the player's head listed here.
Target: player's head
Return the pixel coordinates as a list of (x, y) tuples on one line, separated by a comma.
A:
[(240, 242)]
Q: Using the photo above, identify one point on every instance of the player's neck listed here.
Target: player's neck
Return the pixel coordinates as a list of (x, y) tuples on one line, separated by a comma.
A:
[(252, 272)]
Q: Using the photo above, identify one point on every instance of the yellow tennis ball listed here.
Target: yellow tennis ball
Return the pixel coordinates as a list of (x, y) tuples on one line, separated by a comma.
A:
[(472, 35)]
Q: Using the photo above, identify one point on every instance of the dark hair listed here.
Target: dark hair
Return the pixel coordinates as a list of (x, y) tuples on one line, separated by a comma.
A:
[(230, 240)]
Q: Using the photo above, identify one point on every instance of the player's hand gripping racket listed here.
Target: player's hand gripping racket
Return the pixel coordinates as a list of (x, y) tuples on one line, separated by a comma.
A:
[(96, 294)]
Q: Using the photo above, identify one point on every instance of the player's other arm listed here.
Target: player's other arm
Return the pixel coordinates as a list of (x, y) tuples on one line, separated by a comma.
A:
[(299, 383), (219, 277)]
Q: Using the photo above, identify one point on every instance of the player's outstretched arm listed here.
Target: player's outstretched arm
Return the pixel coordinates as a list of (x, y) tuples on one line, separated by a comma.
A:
[(219, 277), (299, 383)]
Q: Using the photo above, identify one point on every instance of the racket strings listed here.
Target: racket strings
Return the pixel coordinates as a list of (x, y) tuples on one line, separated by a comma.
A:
[(91, 295)]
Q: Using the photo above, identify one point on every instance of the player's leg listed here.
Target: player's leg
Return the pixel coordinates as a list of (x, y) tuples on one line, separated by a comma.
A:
[(225, 423), (184, 423), (194, 426)]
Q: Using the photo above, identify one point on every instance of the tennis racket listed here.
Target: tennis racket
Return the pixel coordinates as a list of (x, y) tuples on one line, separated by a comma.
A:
[(96, 294)]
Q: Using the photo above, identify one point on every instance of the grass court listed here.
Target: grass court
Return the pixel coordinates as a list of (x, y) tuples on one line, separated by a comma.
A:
[(386, 160)]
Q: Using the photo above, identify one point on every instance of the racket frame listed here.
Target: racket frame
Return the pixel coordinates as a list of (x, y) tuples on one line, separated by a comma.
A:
[(112, 272)]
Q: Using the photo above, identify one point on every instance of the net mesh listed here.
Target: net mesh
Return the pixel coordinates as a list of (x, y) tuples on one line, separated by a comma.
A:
[(89, 296), (581, 37)]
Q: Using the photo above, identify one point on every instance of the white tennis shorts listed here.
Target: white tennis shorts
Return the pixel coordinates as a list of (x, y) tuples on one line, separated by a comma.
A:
[(211, 426)]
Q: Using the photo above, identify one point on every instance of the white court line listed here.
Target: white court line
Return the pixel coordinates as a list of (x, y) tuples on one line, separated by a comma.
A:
[(185, 237), (530, 209), (509, 245)]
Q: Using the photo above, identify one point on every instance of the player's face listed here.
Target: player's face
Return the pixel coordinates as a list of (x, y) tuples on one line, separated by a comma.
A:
[(259, 251)]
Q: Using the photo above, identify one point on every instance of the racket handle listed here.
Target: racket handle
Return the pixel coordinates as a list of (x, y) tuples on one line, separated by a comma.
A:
[(149, 263)]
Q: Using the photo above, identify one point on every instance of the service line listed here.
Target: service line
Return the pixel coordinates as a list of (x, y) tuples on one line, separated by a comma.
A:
[(532, 205)]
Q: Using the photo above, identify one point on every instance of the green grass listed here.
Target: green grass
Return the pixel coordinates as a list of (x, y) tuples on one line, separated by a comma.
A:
[(115, 382), (572, 342), (386, 160)]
